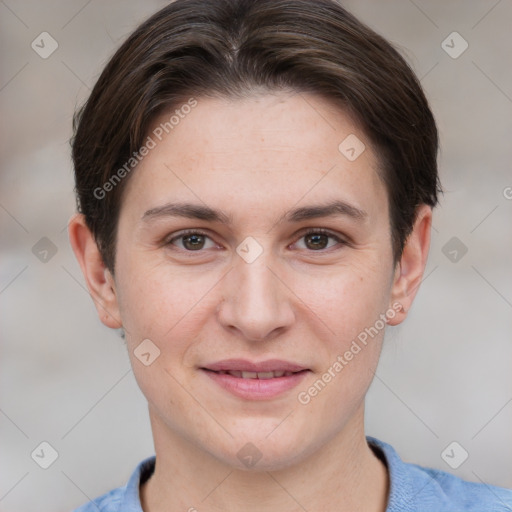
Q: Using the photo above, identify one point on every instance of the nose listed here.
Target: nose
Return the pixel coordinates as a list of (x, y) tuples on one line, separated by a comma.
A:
[(256, 301)]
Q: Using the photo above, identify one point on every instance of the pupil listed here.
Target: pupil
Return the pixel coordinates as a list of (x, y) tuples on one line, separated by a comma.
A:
[(318, 241), (194, 241)]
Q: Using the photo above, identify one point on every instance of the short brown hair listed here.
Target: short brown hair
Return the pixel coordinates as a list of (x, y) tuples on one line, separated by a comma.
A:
[(230, 48)]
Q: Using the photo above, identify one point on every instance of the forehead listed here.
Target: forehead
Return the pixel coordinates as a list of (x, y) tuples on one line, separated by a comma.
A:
[(270, 148)]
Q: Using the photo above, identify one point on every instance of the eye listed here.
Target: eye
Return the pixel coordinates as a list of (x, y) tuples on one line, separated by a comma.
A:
[(318, 240), (192, 241), (314, 240)]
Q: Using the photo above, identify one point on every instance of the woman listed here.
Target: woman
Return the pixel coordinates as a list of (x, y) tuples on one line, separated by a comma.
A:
[(255, 182)]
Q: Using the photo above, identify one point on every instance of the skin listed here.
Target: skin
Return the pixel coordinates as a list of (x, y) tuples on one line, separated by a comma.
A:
[(255, 159)]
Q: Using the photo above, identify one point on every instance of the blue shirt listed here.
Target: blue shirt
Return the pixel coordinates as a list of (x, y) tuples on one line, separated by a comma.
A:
[(413, 488)]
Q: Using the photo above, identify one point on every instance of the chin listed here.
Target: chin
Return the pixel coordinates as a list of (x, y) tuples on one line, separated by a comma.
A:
[(251, 458), (267, 450)]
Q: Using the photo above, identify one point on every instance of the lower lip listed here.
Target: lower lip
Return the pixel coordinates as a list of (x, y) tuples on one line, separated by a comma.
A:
[(256, 389)]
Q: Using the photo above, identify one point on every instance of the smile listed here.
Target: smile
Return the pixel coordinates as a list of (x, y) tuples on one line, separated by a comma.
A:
[(256, 385), (256, 375)]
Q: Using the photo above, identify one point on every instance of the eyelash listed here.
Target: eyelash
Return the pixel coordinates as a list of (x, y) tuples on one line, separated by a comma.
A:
[(317, 231)]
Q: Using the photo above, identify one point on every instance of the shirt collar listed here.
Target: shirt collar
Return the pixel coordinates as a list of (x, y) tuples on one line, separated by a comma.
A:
[(130, 501), (400, 488)]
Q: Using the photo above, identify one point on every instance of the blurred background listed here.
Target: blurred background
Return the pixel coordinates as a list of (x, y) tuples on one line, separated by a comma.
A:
[(442, 395)]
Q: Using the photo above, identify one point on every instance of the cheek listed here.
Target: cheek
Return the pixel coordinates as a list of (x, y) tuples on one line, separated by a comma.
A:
[(169, 307), (350, 303), (156, 300), (347, 299), (155, 305)]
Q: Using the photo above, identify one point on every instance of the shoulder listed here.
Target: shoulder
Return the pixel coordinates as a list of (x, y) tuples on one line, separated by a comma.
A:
[(126, 498), (454, 494), (108, 502), (421, 489)]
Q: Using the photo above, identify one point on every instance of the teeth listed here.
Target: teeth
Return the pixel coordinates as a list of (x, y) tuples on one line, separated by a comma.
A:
[(263, 375), (257, 375)]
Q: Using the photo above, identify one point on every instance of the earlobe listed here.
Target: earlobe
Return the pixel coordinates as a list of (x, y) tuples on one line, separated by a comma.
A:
[(409, 270), (98, 278)]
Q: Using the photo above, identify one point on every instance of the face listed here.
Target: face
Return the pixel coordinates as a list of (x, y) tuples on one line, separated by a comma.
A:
[(247, 234)]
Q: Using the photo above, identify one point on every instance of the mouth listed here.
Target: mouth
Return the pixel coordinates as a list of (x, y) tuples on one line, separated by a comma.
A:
[(255, 375), (255, 381)]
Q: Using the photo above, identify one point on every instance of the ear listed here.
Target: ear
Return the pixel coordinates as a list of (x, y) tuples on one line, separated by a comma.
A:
[(409, 270), (98, 278)]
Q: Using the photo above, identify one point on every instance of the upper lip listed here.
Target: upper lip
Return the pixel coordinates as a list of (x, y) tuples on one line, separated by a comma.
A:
[(270, 365)]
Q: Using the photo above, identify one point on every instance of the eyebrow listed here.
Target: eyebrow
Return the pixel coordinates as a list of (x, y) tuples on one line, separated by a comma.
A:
[(203, 212)]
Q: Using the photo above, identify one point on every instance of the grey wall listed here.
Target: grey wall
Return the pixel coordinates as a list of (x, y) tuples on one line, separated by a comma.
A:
[(65, 378)]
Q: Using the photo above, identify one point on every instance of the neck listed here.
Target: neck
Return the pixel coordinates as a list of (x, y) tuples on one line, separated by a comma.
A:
[(343, 475)]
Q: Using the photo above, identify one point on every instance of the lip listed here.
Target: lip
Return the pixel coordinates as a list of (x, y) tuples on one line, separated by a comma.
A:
[(255, 389), (270, 365)]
